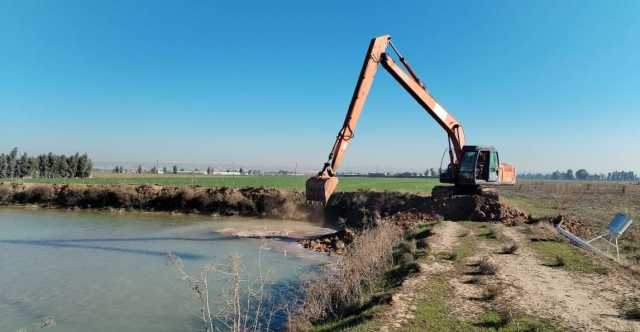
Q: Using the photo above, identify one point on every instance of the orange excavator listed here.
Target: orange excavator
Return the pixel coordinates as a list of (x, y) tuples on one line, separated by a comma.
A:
[(471, 168)]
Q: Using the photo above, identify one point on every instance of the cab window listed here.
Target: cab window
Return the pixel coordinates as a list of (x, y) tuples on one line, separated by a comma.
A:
[(469, 161), (494, 161)]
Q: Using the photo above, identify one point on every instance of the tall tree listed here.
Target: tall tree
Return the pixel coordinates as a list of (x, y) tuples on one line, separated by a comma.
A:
[(582, 174), (13, 162), (45, 165), (569, 175), (4, 166), (23, 166)]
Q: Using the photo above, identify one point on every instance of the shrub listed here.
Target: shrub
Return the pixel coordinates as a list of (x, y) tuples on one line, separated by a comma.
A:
[(423, 234), (422, 244), (6, 194), (484, 267), (490, 234), (406, 259), (449, 255), (407, 247), (69, 197), (629, 307), (473, 280), (40, 194), (555, 261), (509, 249), (489, 293)]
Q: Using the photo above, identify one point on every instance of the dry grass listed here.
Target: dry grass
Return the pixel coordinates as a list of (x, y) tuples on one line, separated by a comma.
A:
[(353, 279)]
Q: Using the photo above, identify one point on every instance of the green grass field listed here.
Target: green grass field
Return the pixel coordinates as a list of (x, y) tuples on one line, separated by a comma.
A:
[(414, 185)]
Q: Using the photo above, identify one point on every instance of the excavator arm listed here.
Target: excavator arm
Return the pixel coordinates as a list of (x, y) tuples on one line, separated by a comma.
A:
[(320, 187)]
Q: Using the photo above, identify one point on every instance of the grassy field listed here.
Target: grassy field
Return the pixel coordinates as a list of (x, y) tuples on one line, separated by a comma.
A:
[(594, 204), (272, 181)]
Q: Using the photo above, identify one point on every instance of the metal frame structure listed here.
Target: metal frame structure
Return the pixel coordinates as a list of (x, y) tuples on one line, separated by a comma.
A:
[(615, 230)]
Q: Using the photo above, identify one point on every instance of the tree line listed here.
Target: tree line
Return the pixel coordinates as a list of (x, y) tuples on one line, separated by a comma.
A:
[(13, 165), (582, 174), (118, 169)]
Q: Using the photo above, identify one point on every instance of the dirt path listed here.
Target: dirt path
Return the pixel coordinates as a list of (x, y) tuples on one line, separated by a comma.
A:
[(578, 301), (404, 300), (583, 302)]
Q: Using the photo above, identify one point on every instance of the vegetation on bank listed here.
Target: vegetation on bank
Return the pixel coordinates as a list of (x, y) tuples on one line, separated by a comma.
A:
[(223, 201), (434, 314), (566, 256), (361, 283), (49, 165)]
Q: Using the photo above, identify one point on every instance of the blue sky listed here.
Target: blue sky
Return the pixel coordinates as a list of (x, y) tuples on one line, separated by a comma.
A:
[(552, 84)]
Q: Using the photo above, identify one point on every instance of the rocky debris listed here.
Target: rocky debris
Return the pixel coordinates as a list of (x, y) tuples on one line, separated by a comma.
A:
[(335, 243), (409, 219), (512, 216)]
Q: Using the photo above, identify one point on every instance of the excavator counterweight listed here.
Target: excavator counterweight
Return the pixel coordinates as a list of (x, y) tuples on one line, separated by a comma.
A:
[(469, 166)]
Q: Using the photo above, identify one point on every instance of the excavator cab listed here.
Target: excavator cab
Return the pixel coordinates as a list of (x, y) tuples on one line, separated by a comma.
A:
[(479, 165)]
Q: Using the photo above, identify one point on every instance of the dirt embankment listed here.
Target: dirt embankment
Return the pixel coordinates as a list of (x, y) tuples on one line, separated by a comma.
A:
[(349, 211), (254, 202), (355, 210)]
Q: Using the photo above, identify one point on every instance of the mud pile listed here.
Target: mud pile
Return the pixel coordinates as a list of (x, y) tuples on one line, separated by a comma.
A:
[(364, 209), (569, 223), (335, 243)]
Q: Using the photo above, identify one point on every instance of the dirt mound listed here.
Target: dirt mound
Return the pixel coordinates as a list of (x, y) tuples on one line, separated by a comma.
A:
[(569, 223), (362, 209)]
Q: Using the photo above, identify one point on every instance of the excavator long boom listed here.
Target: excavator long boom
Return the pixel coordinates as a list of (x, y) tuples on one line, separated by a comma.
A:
[(320, 187)]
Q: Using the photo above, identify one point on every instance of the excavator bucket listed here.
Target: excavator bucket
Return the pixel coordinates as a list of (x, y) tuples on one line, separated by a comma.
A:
[(320, 188)]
